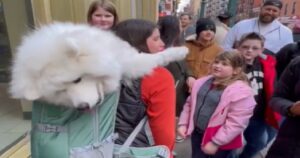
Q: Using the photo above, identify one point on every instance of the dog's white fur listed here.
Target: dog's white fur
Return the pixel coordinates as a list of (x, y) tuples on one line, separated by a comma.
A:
[(76, 65)]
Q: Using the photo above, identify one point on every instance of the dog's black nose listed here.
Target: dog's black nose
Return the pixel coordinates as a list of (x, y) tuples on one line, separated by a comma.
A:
[(83, 106)]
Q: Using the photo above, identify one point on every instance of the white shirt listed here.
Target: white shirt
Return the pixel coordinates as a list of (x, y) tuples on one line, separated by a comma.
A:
[(276, 34), (221, 31)]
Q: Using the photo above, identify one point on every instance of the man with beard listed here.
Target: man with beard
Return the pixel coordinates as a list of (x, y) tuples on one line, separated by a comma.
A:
[(276, 34), (187, 27)]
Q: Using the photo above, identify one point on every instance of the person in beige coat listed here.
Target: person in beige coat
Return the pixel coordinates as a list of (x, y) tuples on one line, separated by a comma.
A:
[(222, 28), (202, 49)]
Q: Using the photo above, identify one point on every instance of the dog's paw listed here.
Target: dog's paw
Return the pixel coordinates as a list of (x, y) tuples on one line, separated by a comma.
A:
[(182, 51), (174, 54)]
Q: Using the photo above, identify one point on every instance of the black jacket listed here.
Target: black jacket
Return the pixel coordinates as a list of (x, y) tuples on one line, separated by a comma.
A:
[(131, 110), (285, 55), (287, 92), (180, 73)]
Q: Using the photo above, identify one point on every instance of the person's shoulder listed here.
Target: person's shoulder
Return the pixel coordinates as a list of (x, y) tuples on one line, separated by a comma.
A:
[(295, 62), (216, 44), (290, 46), (217, 47), (239, 84), (203, 79), (293, 66), (285, 28), (160, 71), (191, 28), (239, 89), (191, 38), (266, 57), (246, 22), (158, 77), (199, 82), (159, 74)]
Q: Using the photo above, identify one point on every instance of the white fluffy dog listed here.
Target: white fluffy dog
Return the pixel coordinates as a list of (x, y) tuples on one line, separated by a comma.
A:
[(76, 65)]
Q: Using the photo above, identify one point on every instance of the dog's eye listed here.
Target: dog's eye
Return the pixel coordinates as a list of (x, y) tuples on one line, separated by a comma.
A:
[(77, 80)]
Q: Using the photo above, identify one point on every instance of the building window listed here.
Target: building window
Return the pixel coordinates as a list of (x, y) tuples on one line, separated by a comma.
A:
[(294, 8), (285, 9)]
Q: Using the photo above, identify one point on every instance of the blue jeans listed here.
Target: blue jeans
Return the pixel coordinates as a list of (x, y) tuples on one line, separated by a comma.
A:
[(258, 134), (196, 140)]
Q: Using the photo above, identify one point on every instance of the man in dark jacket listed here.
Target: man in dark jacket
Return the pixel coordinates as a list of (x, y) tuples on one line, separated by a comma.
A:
[(286, 100)]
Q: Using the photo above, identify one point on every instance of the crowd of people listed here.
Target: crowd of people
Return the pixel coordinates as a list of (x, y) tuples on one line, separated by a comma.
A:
[(223, 95)]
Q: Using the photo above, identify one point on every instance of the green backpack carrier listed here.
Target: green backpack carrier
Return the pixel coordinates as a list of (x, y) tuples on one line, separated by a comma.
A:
[(62, 132)]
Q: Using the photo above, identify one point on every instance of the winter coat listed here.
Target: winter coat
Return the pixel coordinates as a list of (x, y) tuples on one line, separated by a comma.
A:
[(268, 64), (276, 34), (200, 56), (287, 92), (158, 96), (221, 32), (285, 55), (230, 118)]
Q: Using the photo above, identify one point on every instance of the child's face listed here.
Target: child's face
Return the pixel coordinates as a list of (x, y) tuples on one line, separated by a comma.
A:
[(250, 49), (222, 69), (102, 19), (206, 35)]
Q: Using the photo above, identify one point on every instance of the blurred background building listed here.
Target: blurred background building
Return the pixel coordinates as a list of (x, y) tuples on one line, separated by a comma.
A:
[(213, 8)]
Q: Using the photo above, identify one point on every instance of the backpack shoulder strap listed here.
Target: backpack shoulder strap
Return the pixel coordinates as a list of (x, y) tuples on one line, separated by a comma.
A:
[(132, 136)]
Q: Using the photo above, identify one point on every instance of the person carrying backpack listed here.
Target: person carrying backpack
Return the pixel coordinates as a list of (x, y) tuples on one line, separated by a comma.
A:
[(153, 95)]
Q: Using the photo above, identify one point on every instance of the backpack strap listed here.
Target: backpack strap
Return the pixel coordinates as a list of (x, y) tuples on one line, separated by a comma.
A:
[(149, 133), (48, 128), (132, 136)]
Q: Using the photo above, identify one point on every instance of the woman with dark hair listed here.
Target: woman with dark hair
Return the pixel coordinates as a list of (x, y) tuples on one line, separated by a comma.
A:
[(169, 27), (102, 14), (152, 95)]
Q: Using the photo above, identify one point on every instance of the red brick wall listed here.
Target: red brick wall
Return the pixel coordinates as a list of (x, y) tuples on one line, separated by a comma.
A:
[(290, 8)]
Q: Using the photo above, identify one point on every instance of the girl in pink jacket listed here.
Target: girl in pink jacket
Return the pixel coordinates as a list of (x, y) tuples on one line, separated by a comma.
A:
[(218, 109)]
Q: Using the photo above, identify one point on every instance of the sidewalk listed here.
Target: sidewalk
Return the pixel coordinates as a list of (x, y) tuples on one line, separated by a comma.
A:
[(20, 149), (183, 150), (12, 125)]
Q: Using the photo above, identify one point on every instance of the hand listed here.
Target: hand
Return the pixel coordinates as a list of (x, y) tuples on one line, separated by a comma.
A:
[(295, 109), (181, 130), (190, 82), (210, 148)]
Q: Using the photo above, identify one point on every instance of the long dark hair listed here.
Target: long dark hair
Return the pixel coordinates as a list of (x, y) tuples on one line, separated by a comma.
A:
[(135, 32), (169, 30)]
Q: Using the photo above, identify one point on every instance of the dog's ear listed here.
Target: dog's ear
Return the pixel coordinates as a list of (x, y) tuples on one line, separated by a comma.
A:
[(32, 94), (73, 49)]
